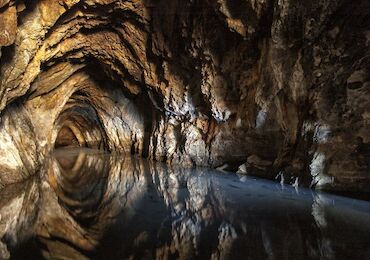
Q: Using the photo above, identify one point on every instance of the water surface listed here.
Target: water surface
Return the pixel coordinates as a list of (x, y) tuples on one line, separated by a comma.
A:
[(89, 205)]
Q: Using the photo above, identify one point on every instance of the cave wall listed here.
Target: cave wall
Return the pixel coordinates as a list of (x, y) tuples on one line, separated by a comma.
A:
[(275, 88)]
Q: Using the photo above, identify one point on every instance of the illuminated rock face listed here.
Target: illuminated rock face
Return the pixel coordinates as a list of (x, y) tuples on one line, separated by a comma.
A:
[(279, 88)]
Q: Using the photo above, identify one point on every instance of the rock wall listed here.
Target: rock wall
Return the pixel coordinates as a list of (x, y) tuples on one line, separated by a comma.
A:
[(276, 88)]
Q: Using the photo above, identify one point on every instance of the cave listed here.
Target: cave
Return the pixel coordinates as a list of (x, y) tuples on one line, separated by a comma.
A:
[(184, 129)]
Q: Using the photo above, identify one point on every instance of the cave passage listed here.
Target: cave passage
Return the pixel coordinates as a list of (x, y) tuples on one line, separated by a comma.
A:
[(275, 89), (139, 129), (66, 138)]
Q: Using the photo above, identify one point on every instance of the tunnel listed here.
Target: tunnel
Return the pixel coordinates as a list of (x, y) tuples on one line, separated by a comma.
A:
[(192, 83), (270, 89)]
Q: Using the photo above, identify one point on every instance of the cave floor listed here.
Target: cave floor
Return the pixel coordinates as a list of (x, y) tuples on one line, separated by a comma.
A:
[(85, 204)]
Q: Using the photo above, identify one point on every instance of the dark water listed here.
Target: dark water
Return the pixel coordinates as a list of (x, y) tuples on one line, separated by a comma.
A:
[(89, 205)]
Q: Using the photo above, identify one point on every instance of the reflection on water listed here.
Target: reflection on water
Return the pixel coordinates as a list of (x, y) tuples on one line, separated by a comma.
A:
[(86, 205)]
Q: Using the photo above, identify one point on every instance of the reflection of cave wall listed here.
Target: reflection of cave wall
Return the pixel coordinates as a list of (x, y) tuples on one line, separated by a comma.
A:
[(84, 205), (279, 86)]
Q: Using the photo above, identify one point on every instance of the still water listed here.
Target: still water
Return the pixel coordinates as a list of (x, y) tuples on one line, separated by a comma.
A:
[(88, 205)]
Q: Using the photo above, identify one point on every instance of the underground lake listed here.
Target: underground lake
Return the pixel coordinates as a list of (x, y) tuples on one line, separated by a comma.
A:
[(185, 129), (87, 204)]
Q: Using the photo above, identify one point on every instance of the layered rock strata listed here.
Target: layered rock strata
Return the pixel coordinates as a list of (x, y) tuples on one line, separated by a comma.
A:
[(279, 88)]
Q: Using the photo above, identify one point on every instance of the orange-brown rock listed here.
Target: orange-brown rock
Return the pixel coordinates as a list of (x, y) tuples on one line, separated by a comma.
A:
[(8, 26), (210, 83)]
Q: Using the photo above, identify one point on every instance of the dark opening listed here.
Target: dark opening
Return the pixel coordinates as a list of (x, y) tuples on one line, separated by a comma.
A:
[(66, 138)]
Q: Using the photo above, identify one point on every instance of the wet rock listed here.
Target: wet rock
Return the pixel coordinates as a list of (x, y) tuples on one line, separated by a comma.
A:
[(189, 82), (257, 162), (243, 169)]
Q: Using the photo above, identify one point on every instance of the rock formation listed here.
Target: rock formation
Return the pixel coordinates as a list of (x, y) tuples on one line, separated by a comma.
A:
[(276, 88)]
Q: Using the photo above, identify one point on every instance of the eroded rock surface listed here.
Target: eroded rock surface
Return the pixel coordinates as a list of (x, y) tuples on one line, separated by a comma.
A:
[(279, 88)]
